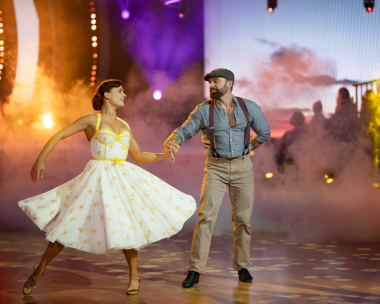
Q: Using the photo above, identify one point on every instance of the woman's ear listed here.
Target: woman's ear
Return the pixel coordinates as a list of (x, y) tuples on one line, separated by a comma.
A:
[(106, 95)]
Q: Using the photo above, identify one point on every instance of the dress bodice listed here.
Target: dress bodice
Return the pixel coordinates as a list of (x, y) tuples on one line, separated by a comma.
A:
[(106, 144)]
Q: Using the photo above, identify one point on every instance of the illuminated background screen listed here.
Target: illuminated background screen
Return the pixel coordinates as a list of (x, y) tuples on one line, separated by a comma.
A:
[(303, 52)]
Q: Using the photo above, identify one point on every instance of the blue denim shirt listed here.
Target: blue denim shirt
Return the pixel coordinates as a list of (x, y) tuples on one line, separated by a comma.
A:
[(229, 141)]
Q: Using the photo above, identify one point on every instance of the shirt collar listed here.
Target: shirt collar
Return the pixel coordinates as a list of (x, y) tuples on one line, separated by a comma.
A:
[(218, 104)]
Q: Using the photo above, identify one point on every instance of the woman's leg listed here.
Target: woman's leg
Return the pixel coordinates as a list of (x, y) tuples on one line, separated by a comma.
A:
[(50, 253), (131, 257)]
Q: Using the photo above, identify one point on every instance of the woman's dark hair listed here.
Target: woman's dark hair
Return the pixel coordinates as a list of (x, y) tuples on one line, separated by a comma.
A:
[(104, 86)]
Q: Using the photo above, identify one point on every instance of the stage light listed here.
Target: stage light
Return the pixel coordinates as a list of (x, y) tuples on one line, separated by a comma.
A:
[(93, 27), (93, 73), (157, 94), (269, 175), (93, 21), (95, 55), (369, 5), (272, 4), (1, 25), (92, 84), (20, 122), (252, 153), (91, 3), (171, 1), (125, 14), (375, 185), (93, 16), (180, 15), (94, 67), (92, 78), (1, 66), (1, 54), (94, 44), (94, 38), (1, 42), (1, 31), (329, 180), (48, 122)]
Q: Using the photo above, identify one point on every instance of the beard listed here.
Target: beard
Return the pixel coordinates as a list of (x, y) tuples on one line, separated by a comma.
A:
[(219, 92)]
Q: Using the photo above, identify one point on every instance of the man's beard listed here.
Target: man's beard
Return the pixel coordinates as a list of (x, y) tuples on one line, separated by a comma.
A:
[(219, 92)]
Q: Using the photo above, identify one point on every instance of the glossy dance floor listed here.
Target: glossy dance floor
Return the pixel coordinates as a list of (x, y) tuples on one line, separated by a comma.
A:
[(283, 272)]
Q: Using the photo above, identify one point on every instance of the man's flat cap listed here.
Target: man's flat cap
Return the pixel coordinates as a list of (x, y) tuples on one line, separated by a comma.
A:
[(221, 73)]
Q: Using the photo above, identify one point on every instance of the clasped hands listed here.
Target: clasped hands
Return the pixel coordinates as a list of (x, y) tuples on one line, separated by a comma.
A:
[(170, 150)]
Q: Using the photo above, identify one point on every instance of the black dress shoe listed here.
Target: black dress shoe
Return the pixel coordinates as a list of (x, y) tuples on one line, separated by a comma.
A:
[(244, 275), (191, 279)]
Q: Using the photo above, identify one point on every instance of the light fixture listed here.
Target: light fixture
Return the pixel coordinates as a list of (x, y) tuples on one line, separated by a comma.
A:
[(272, 4), (369, 5)]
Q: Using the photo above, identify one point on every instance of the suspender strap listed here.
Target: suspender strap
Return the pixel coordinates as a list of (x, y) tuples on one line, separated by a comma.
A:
[(248, 128), (211, 125)]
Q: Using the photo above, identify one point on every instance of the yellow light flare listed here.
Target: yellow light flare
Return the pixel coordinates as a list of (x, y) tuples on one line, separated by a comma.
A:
[(376, 185), (94, 38), (20, 122), (329, 180), (48, 122), (326, 176), (93, 16), (269, 175), (252, 153), (93, 27)]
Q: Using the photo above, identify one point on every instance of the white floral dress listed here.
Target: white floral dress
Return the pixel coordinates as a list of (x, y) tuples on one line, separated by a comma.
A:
[(112, 204)]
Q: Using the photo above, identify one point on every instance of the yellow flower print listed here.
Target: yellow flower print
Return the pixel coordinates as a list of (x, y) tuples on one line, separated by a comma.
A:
[(71, 244), (178, 208), (123, 187), (104, 138), (99, 152), (141, 223), (110, 219), (76, 196), (180, 221), (165, 217), (150, 175), (133, 187), (146, 194), (111, 147), (99, 179), (111, 182), (151, 208), (52, 233), (88, 217), (41, 198), (142, 208), (64, 233), (153, 220), (71, 210), (99, 243), (117, 245), (89, 167), (80, 229), (119, 210), (81, 207), (130, 212), (65, 205), (114, 232), (40, 207), (35, 218), (25, 209), (130, 227), (190, 211), (101, 216), (93, 230), (57, 192), (85, 241), (73, 219), (106, 168), (115, 196), (127, 236), (86, 186), (90, 191), (172, 229), (53, 201), (157, 190), (96, 204), (101, 192), (52, 213), (161, 181), (71, 186), (26, 201), (123, 174), (181, 198), (123, 224), (107, 206), (164, 233), (122, 148)]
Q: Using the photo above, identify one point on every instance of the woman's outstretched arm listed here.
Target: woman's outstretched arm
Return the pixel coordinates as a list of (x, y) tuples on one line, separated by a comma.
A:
[(81, 124), (147, 157)]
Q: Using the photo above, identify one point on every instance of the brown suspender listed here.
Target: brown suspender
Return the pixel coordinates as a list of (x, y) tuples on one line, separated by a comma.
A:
[(211, 124)]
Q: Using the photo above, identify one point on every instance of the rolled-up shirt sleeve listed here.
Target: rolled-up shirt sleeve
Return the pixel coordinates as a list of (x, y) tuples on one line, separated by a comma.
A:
[(259, 123), (191, 126)]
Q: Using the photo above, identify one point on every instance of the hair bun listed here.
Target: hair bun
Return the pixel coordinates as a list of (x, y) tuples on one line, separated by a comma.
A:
[(97, 101)]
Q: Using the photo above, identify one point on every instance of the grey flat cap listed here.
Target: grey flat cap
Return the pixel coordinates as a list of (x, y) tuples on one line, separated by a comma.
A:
[(221, 73)]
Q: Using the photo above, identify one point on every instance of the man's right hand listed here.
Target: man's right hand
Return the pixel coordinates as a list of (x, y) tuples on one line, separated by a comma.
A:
[(170, 150)]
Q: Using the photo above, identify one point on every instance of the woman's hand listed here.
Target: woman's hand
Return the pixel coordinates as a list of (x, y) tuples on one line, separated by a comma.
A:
[(37, 170)]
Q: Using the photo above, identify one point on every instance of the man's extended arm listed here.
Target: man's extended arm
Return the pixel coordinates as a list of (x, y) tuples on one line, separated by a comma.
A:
[(259, 124), (255, 144), (189, 129)]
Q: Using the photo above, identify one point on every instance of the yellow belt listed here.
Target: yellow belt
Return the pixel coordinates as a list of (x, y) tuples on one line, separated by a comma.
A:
[(116, 160)]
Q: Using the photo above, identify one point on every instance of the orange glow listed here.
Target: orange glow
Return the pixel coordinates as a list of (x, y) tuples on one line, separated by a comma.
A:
[(93, 73), (1, 25), (369, 9), (1, 31), (1, 66), (1, 48), (92, 84), (48, 122), (270, 10), (91, 3), (269, 175), (376, 185), (181, 15), (94, 38), (92, 78), (1, 54), (94, 44), (95, 55), (92, 9), (93, 16), (94, 67), (252, 153), (93, 27), (1, 42), (20, 122), (93, 21)]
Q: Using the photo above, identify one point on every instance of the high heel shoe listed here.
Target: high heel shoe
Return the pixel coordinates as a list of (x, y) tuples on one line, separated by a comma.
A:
[(30, 283), (134, 290)]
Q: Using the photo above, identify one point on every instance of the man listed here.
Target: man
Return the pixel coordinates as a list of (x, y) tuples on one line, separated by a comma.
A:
[(227, 163)]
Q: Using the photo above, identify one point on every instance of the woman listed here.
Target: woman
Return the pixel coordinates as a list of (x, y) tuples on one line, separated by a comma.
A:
[(112, 204)]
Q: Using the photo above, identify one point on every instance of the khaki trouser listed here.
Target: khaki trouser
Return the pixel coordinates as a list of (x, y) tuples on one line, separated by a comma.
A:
[(220, 172)]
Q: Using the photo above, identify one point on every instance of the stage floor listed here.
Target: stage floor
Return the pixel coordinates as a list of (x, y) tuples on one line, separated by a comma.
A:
[(283, 272)]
